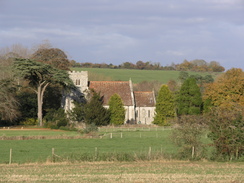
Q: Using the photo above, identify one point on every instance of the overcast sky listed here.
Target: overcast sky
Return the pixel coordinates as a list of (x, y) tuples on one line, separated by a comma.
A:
[(117, 31)]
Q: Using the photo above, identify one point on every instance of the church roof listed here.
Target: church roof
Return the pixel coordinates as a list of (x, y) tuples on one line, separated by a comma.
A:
[(144, 99), (109, 88)]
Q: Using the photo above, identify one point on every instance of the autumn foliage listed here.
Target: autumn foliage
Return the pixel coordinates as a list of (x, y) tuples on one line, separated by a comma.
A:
[(227, 90)]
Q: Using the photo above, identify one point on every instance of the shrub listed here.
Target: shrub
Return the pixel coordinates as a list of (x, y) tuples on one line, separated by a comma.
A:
[(187, 135), (90, 128), (29, 122), (56, 118)]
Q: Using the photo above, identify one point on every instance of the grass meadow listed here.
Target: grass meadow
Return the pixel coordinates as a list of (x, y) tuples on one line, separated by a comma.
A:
[(109, 142), (136, 76)]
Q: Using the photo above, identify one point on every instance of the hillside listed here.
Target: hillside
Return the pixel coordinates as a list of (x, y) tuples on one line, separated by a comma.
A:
[(136, 76)]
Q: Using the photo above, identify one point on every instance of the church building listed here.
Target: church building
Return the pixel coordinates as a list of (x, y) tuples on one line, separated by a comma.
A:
[(139, 105)]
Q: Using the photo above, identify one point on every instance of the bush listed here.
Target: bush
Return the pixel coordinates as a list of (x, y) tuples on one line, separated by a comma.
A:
[(56, 118), (90, 128), (188, 136), (29, 122)]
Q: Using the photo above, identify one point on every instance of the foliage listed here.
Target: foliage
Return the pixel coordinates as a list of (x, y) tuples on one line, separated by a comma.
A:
[(52, 98), (28, 104), (117, 110), (39, 76), (196, 65), (53, 56), (90, 128), (173, 86), (95, 112), (226, 127), (187, 135), (227, 90), (7, 57), (165, 106), (224, 104), (189, 100), (199, 66), (183, 75), (78, 112), (56, 118), (200, 79), (29, 122), (9, 104)]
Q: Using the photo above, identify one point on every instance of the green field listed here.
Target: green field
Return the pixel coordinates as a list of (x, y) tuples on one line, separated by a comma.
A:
[(120, 143), (131, 172), (138, 76), (114, 141)]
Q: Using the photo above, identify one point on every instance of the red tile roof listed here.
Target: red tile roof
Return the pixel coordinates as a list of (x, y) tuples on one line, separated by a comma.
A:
[(144, 99), (109, 88)]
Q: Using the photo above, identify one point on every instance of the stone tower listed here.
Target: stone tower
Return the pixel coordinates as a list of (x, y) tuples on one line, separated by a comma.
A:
[(80, 80)]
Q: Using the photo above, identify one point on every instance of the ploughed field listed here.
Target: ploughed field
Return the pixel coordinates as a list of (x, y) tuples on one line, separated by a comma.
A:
[(139, 172)]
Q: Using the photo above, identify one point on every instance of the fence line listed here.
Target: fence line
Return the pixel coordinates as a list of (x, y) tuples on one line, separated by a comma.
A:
[(117, 129), (146, 154)]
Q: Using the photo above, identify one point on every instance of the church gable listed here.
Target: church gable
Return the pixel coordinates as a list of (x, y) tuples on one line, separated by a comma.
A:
[(109, 88), (144, 99)]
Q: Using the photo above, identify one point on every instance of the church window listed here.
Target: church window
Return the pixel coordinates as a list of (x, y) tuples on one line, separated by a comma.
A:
[(77, 82)]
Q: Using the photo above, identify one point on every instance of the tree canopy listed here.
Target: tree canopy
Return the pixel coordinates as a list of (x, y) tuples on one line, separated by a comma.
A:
[(228, 89), (94, 111), (8, 101), (117, 110), (165, 106), (189, 100), (53, 56), (39, 76), (226, 127)]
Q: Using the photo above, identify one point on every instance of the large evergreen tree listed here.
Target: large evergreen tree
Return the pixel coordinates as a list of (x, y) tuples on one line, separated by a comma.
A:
[(189, 100), (40, 76), (117, 110), (94, 111), (165, 106)]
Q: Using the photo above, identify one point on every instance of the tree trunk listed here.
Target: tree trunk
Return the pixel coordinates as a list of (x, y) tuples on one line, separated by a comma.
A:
[(39, 104), (40, 94)]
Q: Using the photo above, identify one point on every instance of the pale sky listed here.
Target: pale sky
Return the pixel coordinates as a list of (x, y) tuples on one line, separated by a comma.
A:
[(117, 31)]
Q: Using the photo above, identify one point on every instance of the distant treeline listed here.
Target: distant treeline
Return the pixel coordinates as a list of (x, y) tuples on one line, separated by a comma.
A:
[(194, 65)]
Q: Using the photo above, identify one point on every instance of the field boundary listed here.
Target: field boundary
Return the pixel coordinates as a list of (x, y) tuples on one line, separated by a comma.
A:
[(40, 137)]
